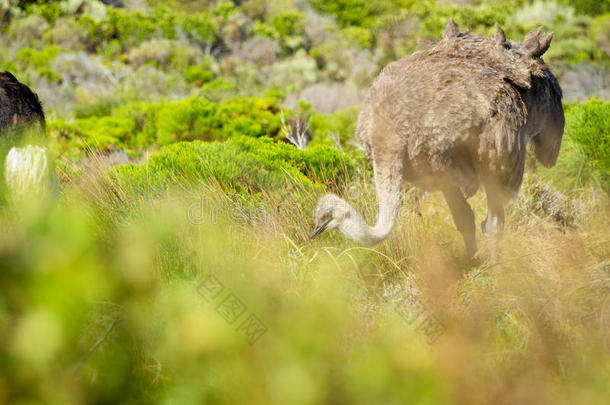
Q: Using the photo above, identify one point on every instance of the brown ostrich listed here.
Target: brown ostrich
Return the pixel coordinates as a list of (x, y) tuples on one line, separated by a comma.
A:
[(452, 118)]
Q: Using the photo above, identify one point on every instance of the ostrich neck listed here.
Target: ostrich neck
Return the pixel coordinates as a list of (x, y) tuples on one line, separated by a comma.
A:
[(356, 228)]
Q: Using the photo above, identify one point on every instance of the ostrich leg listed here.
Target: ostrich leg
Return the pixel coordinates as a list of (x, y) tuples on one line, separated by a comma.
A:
[(494, 223), (463, 217)]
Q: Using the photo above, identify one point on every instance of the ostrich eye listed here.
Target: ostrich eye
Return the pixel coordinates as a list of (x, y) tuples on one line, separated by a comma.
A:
[(507, 45)]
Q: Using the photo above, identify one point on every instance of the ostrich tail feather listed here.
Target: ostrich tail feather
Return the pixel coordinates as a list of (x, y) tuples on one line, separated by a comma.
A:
[(27, 171)]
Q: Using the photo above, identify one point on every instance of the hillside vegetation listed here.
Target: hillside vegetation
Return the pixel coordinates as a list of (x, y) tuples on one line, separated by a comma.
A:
[(191, 141)]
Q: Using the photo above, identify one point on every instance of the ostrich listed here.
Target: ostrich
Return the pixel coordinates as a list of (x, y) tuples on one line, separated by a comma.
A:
[(19, 106), (452, 118), (25, 168)]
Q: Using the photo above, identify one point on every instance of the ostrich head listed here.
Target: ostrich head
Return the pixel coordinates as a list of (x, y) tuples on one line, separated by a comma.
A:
[(330, 213), (333, 212)]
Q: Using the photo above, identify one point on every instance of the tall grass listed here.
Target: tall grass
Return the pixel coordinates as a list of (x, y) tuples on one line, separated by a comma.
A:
[(106, 306)]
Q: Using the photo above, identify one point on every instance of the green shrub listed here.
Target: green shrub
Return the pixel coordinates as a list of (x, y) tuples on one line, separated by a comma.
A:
[(601, 33), (590, 7), (434, 16), (340, 126), (36, 58), (218, 89), (585, 152), (358, 12), (97, 107), (66, 32), (164, 54), (240, 164), (186, 120), (224, 9), (198, 74), (290, 26), (199, 28), (122, 27), (94, 133), (127, 28), (136, 126), (106, 131), (358, 35), (139, 125), (51, 11), (588, 125), (576, 42), (264, 30), (68, 139), (289, 23), (197, 118), (32, 61), (131, 126), (411, 19)]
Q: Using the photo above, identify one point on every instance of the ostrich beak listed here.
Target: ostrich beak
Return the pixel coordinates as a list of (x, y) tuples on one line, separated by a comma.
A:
[(319, 228)]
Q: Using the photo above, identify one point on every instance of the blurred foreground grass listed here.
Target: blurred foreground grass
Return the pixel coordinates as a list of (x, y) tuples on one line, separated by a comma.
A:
[(112, 300)]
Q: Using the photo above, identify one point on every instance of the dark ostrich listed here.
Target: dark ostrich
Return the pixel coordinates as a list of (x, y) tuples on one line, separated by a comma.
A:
[(19, 106), (27, 168)]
